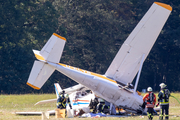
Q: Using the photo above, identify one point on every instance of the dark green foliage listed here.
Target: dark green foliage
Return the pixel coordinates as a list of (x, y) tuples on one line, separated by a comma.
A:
[(94, 29), (25, 25)]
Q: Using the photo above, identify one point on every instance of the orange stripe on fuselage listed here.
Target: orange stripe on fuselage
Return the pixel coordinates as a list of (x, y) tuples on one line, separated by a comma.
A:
[(81, 100), (87, 72), (81, 70)]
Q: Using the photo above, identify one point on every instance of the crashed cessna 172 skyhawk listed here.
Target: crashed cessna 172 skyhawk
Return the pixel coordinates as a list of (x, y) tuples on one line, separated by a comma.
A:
[(112, 86)]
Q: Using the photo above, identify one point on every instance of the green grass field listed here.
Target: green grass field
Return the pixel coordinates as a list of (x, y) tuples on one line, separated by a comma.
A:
[(9, 104)]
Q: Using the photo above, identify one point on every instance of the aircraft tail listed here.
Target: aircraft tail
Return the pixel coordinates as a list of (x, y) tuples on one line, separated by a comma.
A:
[(51, 52), (58, 89)]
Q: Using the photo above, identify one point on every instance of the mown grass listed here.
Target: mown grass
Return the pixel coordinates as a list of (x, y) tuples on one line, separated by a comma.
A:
[(9, 104)]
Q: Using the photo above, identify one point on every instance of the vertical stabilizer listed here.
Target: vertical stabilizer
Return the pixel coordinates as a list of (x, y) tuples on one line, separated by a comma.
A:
[(58, 89)]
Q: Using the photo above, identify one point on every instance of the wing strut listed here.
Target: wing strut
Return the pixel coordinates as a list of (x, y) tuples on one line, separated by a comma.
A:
[(140, 68)]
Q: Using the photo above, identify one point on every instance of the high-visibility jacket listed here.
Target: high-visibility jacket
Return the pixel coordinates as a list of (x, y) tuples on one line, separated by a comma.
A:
[(150, 98), (100, 107), (61, 102), (163, 97)]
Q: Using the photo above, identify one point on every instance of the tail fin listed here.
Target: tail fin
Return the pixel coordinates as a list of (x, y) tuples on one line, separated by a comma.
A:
[(52, 52), (58, 89)]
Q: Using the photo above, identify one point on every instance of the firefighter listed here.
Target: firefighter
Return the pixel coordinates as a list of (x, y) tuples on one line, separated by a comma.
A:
[(150, 100), (61, 102), (100, 106), (163, 99), (68, 101), (93, 104)]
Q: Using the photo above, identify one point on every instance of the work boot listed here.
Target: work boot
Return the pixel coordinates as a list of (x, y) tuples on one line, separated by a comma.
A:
[(160, 118), (166, 117)]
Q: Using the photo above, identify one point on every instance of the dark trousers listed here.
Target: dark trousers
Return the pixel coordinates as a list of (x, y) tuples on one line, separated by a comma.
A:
[(164, 109), (150, 112), (60, 106)]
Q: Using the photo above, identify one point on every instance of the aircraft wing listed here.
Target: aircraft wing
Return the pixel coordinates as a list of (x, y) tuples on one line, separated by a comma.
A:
[(69, 90), (126, 63), (78, 87)]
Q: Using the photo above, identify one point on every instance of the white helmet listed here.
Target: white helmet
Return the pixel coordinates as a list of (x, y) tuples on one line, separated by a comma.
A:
[(67, 95), (162, 85), (149, 89), (101, 100)]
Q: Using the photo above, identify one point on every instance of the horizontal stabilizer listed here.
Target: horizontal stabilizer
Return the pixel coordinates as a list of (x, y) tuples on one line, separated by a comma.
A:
[(52, 51), (39, 74)]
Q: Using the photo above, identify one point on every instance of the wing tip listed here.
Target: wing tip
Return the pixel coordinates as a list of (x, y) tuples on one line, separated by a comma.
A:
[(32, 86), (59, 36), (168, 7)]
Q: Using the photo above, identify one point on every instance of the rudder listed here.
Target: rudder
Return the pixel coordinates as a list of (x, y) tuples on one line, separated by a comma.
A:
[(58, 89)]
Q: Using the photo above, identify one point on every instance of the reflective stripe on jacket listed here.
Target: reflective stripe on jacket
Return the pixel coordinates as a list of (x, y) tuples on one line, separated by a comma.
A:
[(163, 97)]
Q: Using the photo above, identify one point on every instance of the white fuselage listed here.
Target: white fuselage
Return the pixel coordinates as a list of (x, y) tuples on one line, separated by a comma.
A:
[(103, 87), (80, 101)]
